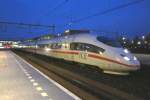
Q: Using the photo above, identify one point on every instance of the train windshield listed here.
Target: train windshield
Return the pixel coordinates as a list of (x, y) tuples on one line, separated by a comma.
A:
[(109, 41)]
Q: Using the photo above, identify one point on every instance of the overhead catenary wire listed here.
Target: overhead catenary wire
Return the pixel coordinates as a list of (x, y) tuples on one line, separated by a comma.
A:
[(26, 24), (52, 27), (50, 12), (57, 7), (29, 26), (107, 11)]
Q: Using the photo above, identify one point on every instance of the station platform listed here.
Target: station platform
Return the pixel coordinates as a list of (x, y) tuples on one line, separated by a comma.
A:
[(21, 81)]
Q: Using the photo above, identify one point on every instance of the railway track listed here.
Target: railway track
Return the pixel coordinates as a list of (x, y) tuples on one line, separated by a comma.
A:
[(81, 78)]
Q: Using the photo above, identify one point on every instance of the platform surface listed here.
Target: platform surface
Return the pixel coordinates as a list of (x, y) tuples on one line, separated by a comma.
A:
[(21, 81)]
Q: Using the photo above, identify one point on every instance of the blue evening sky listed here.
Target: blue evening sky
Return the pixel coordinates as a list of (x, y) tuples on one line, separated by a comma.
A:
[(130, 21)]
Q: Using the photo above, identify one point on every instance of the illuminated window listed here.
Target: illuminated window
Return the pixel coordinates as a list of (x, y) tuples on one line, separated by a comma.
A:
[(86, 47)]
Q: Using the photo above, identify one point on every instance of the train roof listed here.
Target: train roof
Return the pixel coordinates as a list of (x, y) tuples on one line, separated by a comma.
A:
[(70, 38), (71, 32)]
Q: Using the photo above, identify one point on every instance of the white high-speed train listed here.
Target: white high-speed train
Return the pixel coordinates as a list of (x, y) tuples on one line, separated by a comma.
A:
[(105, 53)]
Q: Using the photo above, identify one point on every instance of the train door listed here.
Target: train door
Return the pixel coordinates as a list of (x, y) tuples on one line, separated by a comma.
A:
[(65, 47), (84, 50), (81, 55)]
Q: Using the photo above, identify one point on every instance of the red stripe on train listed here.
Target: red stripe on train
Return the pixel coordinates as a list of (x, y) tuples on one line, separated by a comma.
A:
[(110, 60), (96, 57), (67, 52)]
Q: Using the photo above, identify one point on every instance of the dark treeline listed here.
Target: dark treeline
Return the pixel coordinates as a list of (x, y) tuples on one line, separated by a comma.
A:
[(139, 44)]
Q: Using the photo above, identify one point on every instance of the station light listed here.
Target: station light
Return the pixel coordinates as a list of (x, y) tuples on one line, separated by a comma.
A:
[(143, 37), (139, 43), (145, 42), (126, 51), (132, 41), (58, 34), (123, 38)]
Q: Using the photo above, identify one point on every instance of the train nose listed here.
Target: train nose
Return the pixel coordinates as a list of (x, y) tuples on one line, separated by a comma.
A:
[(133, 62), (129, 59), (136, 67), (136, 64)]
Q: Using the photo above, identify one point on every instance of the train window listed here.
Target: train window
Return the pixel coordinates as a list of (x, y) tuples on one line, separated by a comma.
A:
[(59, 45), (94, 49), (52, 46), (109, 41), (77, 46), (56, 46), (65, 45), (86, 47), (43, 45), (49, 45), (73, 46)]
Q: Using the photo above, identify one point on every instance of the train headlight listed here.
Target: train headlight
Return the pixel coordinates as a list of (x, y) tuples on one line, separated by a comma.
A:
[(126, 58), (126, 50), (134, 58), (47, 49)]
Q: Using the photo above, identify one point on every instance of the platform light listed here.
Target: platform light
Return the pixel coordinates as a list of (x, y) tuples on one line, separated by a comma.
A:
[(139, 43), (35, 84), (39, 88), (32, 80), (44, 94)]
